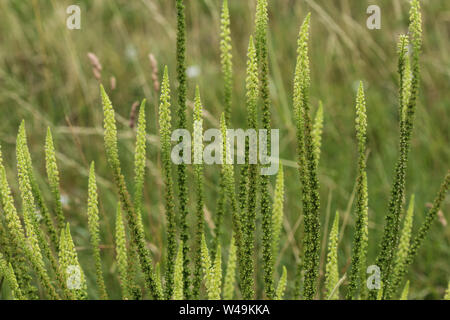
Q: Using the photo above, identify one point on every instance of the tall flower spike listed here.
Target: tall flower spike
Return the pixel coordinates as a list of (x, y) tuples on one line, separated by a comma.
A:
[(39, 201), (249, 215), (112, 155), (198, 174), (93, 225), (226, 58), (360, 237), (178, 275), (165, 134), (16, 236), (332, 271), (298, 97), (33, 241), (391, 231), (53, 177), (312, 201), (229, 181), (139, 164), (263, 64), (402, 250), (6, 271), (121, 255), (68, 259), (281, 285), (230, 274), (181, 124)]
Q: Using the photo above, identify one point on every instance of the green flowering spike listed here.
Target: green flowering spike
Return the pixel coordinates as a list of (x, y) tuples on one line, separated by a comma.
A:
[(281, 285), (229, 181), (68, 260), (447, 292), (402, 250), (139, 164), (6, 271), (16, 236), (332, 271), (112, 155), (249, 214), (226, 58), (277, 212), (178, 275), (230, 274), (261, 21), (311, 201), (391, 231), (93, 225), (212, 272), (405, 291), (40, 211), (165, 134), (41, 208), (317, 132), (33, 240), (360, 237), (181, 124), (199, 183), (53, 177), (121, 255)]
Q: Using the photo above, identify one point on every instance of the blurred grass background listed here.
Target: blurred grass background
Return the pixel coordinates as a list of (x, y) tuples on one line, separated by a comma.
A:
[(46, 79)]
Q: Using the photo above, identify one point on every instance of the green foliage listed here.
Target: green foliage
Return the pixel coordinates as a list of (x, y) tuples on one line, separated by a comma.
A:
[(93, 225), (38, 258), (360, 238), (331, 269)]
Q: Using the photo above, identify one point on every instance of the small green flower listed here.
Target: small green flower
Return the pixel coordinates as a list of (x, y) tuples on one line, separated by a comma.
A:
[(93, 225)]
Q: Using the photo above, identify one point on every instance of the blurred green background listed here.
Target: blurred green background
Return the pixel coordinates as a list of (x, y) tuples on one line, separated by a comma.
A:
[(47, 79)]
